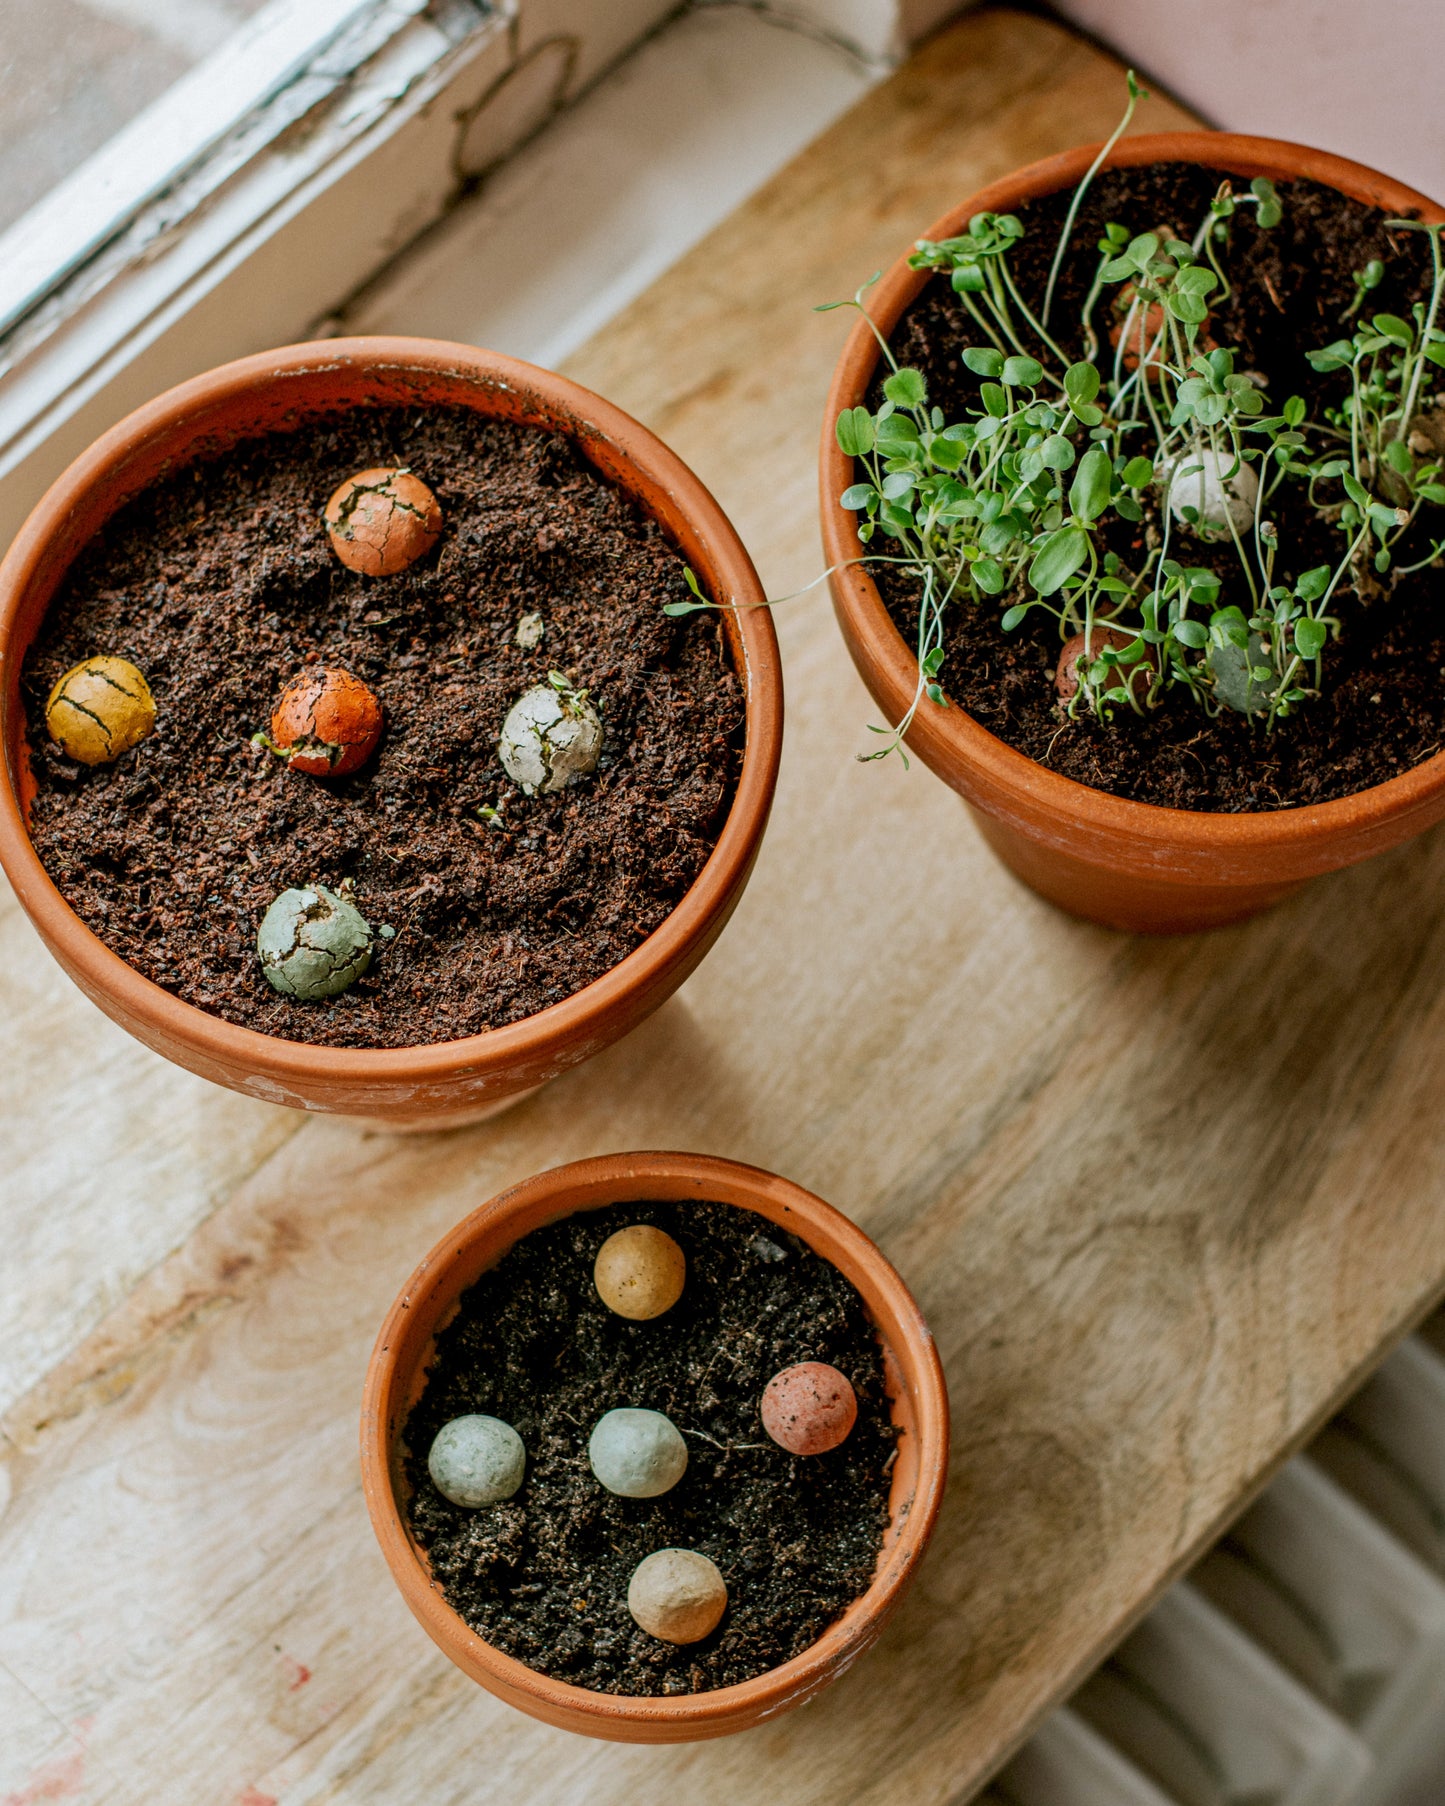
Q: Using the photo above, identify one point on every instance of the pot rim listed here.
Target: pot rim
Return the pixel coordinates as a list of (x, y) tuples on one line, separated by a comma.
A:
[(645, 1176), (952, 735), (555, 401)]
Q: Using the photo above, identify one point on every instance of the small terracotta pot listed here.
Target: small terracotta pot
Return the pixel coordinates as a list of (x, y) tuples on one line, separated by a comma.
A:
[(1126, 864), (451, 1081), (406, 1346)]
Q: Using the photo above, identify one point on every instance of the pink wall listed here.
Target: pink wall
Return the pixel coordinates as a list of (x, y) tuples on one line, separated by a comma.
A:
[(1364, 78)]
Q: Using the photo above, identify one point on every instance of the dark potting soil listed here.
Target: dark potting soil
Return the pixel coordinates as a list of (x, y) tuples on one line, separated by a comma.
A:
[(1382, 709), (220, 585), (544, 1575)]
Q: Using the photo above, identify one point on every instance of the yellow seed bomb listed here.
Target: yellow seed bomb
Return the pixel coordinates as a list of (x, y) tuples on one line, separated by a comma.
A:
[(677, 1595), (101, 708), (640, 1272)]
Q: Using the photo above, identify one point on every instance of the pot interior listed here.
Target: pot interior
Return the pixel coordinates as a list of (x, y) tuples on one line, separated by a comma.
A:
[(479, 1243)]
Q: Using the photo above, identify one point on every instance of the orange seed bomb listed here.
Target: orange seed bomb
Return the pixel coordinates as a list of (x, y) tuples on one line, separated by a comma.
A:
[(1066, 676), (810, 1408), (382, 520), (326, 724)]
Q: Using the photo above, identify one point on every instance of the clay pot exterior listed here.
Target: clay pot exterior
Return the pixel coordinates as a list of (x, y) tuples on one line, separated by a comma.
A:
[(914, 1377), (1126, 864), (452, 1081)]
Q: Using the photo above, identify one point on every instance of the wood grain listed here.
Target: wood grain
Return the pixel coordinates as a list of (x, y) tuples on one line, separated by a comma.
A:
[(1164, 1203)]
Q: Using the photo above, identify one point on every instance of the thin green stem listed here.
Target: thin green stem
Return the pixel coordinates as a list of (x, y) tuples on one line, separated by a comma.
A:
[(1136, 94)]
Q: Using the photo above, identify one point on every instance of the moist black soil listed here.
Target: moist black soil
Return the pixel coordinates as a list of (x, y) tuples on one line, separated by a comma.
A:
[(1383, 704), (544, 1576), (220, 585)]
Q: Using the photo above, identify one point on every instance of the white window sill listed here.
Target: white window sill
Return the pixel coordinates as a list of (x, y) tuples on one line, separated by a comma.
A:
[(310, 159)]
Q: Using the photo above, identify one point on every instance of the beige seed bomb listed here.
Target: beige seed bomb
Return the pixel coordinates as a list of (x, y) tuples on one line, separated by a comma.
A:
[(100, 709), (677, 1596), (640, 1272)]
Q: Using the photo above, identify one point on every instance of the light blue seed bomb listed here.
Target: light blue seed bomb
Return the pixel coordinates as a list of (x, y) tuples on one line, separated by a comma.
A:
[(313, 943), (638, 1454), (477, 1460)]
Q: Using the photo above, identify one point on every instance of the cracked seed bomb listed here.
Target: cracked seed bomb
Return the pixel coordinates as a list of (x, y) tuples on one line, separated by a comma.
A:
[(809, 1409), (101, 708), (677, 1595), (637, 1454), (640, 1272), (326, 724), (1195, 479), (477, 1460), (1137, 677), (552, 736), (382, 520), (313, 943)]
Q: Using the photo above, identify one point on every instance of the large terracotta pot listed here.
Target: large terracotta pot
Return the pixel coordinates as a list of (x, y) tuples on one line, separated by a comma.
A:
[(1126, 864), (454, 1080), (405, 1348)]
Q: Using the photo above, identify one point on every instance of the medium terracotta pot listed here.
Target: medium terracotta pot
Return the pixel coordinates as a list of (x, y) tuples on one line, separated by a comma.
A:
[(1126, 864), (406, 1346), (281, 390)]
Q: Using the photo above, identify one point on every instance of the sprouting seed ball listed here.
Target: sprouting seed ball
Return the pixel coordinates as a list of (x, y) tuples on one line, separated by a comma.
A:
[(677, 1595), (313, 944), (100, 709), (637, 1454), (640, 1272), (810, 1408), (477, 1460), (1088, 647), (550, 739), (327, 722), (1195, 479), (382, 520)]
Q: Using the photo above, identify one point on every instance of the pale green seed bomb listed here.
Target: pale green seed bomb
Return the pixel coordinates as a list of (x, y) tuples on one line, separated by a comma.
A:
[(313, 944), (477, 1461), (638, 1454)]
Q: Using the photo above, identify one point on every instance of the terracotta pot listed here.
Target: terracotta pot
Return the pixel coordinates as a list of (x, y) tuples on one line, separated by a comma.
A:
[(453, 1080), (405, 1348), (1127, 864)]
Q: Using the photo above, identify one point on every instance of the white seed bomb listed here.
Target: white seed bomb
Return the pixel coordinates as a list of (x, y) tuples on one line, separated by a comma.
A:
[(313, 944), (1195, 479), (529, 632), (550, 738), (476, 1461), (677, 1595), (638, 1454)]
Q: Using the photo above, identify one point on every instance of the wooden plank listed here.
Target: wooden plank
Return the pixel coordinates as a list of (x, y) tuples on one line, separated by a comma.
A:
[(111, 1157), (1163, 1203)]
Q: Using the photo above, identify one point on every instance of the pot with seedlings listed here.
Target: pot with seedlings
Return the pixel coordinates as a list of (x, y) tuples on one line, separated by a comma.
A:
[(351, 759), (1133, 504), (653, 1445)]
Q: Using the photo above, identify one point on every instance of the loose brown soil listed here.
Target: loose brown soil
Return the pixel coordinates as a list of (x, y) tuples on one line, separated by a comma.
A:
[(220, 585), (1383, 705), (544, 1576)]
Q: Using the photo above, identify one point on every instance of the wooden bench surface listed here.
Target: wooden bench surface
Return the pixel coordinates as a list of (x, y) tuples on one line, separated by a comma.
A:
[(1163, 1202)]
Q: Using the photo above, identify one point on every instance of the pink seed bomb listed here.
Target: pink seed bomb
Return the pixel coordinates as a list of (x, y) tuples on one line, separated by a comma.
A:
[(809, 1409)]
